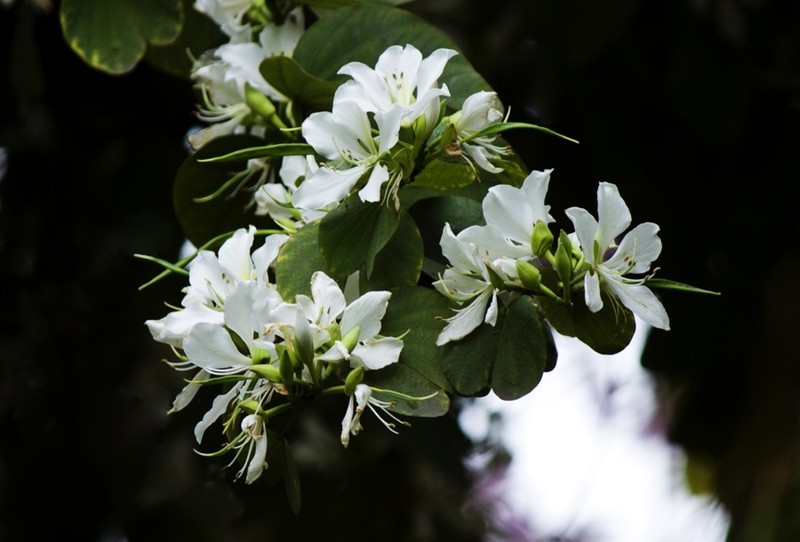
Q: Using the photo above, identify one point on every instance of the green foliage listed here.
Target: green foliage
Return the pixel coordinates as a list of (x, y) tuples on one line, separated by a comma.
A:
[(291, 80), (112, 35), (195, 180), (399, 263), (299, 258)]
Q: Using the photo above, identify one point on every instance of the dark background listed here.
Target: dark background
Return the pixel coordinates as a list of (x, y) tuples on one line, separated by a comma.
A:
[(691, 107)]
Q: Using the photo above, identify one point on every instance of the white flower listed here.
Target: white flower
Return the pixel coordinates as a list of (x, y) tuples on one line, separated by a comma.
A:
[(467, 281), (401, 87), (478, 113), (362, 398), (275, 199), (511, 214), (609, 263), (212, 278), (344, 136), (227, 14), (253, 437)]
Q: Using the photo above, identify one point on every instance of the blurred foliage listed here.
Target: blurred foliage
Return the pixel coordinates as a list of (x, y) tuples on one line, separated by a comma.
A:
[(692, 106)]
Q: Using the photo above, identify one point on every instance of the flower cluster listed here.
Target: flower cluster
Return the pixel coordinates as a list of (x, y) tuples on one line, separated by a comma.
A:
[(338, 178), (235, 328), (509, 253)]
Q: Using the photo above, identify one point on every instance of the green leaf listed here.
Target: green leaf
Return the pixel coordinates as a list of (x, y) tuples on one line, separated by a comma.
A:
[(607, 331), (399, 263), (446, 174), (291, 480), (431, 215), (411, 194), (291, 80), (224, 213), (524, 351), (198, 35), (360, 33), (354, 233), (263, 151), (467, 363), (414, 311), (665, 284), (297, 261), (402, 378), (112, 35)]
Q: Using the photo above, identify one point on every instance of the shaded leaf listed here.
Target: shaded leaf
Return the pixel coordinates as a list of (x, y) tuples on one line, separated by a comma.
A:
[(354, 233), (399, 263), (112, 35), (414, 311), (227, 212), (431, 215), (298, 259), (404, 379), (291, 80), (446, 174), (523, 351), (607, 331)]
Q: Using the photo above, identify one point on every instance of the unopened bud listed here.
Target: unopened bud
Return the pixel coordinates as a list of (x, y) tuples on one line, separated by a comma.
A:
[(564, 260), (270, 372), (286, 368), (350, 340), (259, 103), (354, 378), (541, 238), (529, 275)]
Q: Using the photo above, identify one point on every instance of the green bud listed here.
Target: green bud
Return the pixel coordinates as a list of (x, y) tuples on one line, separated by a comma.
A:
[(270, 372), (259, 355), (564, 262), (354, 378), (529, 275), (351, 339), (541, 238), (259, 103), (286, 368)]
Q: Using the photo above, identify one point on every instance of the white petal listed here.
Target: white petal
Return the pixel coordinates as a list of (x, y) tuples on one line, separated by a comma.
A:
[(535, 188), (591, 287), (234, 254), (218, 408), (174, 327), (365, 312), (457, 252), (506, 209), (372, 190), (188, 392), (466, 319), (641, 245), (328, 298), (347, 422), (239, 312), (266, 254), (326, 187), (258, 461), (431, 69), (642, 302), (585, 230), (491, 312), (376, 353), (210, 347), (612, 214)]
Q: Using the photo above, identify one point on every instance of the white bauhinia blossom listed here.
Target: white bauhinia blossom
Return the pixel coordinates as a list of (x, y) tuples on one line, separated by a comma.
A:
[(344, 136), (477, 114), (228, 14), (225, 73), (213, 277), (275, 199), (253, 438), (361, 399), (511, 215), (469, 281), (401, 88), (610, 264)]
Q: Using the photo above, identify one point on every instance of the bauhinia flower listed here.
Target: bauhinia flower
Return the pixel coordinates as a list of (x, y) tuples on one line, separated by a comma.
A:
[(477, 114), (253, 438), (359, 400), (609, 265), (401, 88), (344, 136), (469, 281)]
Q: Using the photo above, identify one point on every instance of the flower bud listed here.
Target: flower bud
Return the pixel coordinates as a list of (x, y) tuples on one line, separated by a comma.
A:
[(259, 103), (564, 261), (353, 379), (286, 368), (350, 340), (541, 238), (529, 275), (270, 372)]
